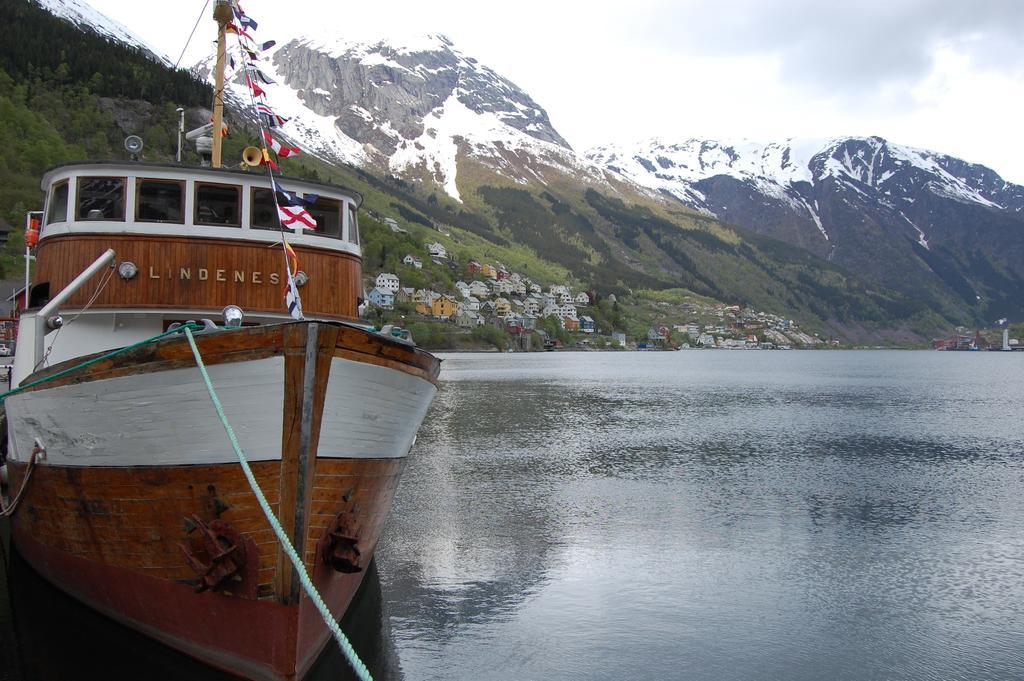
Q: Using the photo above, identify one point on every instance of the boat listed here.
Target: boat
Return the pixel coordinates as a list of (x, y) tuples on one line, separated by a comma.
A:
[(123, 489)]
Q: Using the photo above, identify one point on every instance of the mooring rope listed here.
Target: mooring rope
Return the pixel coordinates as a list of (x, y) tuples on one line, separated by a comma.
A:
[(9, 510), (350, 654), (107, 355)]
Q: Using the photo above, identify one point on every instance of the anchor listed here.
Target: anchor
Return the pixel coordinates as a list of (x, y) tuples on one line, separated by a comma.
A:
[(341, 545), (226, 550)]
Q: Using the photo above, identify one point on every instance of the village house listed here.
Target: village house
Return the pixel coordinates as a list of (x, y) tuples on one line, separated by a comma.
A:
[(582, 299), (444, 307), (571, 323), (424, 300), (473, 267), (388, 282), (502, 274), (393, 226), (531, 306), (502, 306), (472, 304), (529, 321), (479, 289), (463, 288), (586, 324), (505, 287), (437, 250), (487, 308), (468, 320), (405, 294), (489, 272), (382, 298), (413, 261)]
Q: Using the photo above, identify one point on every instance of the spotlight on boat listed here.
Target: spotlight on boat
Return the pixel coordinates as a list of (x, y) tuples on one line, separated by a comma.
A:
[(127, 270), (55, 322), (301, 278), (233, 316)]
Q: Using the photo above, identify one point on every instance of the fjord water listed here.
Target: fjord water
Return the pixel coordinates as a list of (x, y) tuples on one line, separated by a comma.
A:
[(714, 515), (692, 515)]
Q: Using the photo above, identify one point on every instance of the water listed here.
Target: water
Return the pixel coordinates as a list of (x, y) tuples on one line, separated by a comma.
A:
[(690, 515), (714, 515)]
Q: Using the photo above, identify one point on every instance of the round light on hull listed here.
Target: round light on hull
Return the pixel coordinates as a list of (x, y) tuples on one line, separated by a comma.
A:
[(127, 270), (233, 316)]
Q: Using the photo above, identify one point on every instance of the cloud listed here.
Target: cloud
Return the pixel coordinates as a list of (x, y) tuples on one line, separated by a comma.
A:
[(845, 48)]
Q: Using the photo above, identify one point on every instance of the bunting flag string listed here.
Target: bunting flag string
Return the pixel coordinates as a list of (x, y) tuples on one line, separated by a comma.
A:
[(259, 75), (282, 150), (233, 28), (291, 198), (296, 215), (256, 89), (271, 119), (291, 208)]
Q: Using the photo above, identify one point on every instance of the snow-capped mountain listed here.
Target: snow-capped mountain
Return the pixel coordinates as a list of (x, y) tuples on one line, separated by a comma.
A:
[(906, 217), (84, 16), (414, 107), (945, 235)]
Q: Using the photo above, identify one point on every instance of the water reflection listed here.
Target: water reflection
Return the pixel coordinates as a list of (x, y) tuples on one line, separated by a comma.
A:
[(714, 516)]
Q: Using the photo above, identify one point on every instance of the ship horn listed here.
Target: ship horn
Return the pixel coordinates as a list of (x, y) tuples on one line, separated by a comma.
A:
[(252, 156)]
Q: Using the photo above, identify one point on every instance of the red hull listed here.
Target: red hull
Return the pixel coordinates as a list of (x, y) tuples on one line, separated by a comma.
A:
[(136, 542)]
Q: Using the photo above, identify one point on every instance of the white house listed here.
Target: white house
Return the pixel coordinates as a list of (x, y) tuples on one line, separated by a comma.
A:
[(582, 299), (388, 282), (479, 289), (437, 250), (413, 262)]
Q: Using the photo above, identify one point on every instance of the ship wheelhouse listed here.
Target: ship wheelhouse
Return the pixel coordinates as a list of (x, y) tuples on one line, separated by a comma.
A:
[(188, 242)]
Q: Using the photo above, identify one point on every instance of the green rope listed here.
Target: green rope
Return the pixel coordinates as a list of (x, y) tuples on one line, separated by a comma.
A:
[(108, 355), (350, 654)]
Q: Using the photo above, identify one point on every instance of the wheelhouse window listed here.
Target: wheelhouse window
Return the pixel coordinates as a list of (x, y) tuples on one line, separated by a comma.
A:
[(100, 198), (263, 212), (218, 204), (57, 211), (160, 201), (327, 213), (353, 225)]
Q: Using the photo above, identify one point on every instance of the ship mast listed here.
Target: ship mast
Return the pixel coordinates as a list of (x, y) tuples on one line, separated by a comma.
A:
[(222, 15)]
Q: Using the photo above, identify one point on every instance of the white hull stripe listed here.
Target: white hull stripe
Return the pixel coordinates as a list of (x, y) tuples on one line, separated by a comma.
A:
[(165, 418)]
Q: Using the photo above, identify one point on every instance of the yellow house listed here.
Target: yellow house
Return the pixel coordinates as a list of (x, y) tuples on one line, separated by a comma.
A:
[(424, 307), (502, 307), (445, 307), (489, 271)]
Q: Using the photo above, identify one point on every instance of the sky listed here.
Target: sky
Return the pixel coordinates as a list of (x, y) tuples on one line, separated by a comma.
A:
[(945, 75)]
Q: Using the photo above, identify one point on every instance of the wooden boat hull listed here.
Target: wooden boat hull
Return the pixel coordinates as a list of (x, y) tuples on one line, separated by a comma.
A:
[(120, 522)]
